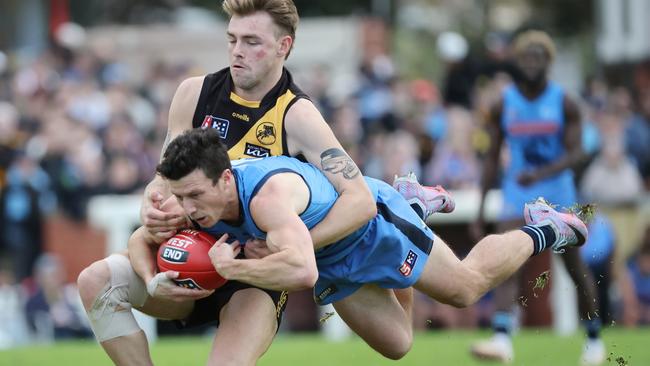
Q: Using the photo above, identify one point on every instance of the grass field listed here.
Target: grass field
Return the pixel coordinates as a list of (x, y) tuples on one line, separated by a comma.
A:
[(533, 348)]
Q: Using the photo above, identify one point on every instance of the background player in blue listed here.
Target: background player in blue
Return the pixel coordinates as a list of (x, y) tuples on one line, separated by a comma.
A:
[(540, 125), (278, 199)]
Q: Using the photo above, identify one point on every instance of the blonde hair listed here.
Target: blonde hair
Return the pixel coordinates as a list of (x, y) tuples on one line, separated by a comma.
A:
[(534, 37), (283, 12)]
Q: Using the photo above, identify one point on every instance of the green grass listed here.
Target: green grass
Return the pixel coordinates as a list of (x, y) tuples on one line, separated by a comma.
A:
[(432, 348)]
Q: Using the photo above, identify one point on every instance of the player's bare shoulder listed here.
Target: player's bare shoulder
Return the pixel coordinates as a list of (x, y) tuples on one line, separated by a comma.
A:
[(183, 105), (303, 111), (188, 91), (304, 125)]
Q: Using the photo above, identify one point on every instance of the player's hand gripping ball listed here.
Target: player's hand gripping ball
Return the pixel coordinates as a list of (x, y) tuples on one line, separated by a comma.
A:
[(187, 254)]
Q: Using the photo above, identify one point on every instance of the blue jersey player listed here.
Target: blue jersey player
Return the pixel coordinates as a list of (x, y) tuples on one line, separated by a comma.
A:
[(278, 199), (540, 127)]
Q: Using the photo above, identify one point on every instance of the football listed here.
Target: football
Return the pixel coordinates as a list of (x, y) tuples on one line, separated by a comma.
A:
[(187, 253)]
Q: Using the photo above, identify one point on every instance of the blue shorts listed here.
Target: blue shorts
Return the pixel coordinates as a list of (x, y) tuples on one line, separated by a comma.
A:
[(391, 254), (558, 191)]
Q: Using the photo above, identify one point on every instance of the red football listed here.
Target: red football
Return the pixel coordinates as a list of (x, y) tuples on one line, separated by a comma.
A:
[(187, 253)]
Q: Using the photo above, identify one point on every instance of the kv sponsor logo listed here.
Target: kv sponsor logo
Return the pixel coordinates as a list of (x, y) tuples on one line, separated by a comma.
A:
[(257, 151), (174, 255)]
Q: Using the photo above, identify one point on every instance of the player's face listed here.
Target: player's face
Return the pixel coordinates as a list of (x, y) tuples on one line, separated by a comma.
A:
[(533, 62), (254, 43), (203, 200)]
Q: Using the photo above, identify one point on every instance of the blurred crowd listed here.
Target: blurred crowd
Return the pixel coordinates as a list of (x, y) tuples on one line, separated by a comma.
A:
[(73, 125)]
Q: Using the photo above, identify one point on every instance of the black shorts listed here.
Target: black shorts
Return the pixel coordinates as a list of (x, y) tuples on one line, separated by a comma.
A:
[(206, 311)]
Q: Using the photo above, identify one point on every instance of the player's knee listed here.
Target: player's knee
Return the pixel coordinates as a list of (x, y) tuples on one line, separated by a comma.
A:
[(109, 288), (91, 281), (458, 299), (398, 349), (460, 302), (399, 344)]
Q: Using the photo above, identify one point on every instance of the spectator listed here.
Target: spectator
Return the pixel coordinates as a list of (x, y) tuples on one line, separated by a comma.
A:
[(9, 137), (375, 95), (13, 331), (636, 292), (23, 202), (347, 127), (643, 124), (53, 308), (590, 132), (460, 73), (595, 92), (434, 114), (454, 164), (122, 176), (317, 87), (396, 153), (636, 128), (612, 168)]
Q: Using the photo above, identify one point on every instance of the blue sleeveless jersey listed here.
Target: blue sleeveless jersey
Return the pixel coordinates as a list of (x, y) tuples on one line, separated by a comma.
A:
[(390, 250), (251, 174), (534, 132)]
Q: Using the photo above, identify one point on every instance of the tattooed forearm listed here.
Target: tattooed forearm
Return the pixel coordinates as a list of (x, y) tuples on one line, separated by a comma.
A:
[(168, 138), (337, 161)]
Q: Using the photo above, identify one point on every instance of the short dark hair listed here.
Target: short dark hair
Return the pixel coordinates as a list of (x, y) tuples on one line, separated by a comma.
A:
[(195, 149)]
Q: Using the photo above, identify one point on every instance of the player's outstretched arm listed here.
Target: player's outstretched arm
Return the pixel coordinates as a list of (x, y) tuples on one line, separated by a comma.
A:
[(309, 134), (158, 214), (292, 265)]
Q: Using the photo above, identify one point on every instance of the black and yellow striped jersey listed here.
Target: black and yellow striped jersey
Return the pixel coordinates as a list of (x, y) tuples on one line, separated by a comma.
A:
[(249, 129)]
